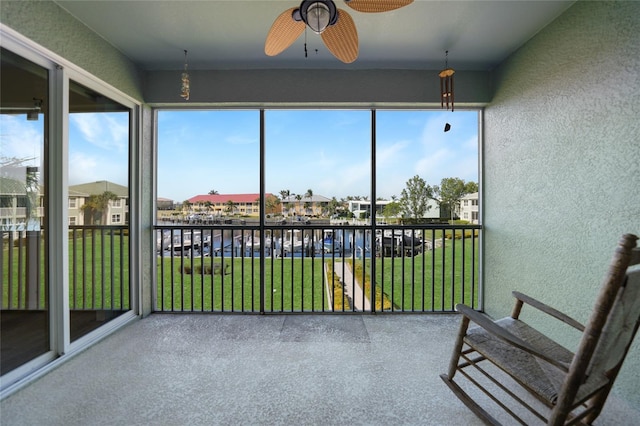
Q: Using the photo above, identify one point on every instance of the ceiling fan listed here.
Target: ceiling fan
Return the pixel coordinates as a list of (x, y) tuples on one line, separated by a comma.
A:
[(335, 26)]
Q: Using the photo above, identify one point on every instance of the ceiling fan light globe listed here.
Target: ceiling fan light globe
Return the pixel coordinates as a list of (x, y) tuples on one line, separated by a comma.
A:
[(318, 17)]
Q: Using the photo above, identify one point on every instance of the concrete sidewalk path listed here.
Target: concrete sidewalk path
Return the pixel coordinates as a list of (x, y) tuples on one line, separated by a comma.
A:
[(352, 287)]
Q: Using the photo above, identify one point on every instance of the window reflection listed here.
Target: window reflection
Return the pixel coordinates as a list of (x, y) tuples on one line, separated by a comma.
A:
[(98, 209), (24, 320)]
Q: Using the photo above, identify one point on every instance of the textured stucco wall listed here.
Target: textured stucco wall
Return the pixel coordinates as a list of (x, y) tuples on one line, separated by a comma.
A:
[(47, 24), (562, 166)]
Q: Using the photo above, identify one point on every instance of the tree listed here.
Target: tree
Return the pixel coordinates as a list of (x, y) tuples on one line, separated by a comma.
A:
[(332, 206), (393, 209), (308, 195), (299, 198), (186, 205), (213, 192), (470, 187), (271, 204), (415, 197), (284, 194), (231, 207), (97, 207), (450, 191)]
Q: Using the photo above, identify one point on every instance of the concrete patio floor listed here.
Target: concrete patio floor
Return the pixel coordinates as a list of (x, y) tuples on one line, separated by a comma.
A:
[(266, 370)]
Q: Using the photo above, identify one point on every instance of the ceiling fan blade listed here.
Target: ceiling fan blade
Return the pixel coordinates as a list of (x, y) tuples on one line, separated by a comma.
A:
[(284, 31), (342, 38), (372, 6)]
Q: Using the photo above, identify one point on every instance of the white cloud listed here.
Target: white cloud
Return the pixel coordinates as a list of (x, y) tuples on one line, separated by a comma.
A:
[(445, 154), (391, 153), (85, 168), (82, 169), (20, 138), (108, 131)]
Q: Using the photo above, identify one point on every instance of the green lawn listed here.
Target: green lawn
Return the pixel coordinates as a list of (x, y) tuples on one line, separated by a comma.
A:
[(98, 272), (429, 283), (291, 285), (294, 284), (97, 280)]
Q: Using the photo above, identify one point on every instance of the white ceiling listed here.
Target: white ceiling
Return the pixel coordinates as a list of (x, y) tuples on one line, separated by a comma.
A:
[(231, 34)]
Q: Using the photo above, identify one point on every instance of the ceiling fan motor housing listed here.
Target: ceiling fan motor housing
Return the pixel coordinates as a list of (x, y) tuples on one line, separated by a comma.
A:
[(317, 14)]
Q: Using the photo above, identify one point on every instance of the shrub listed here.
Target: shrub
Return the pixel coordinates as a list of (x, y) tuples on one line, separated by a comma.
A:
[(207, 269)]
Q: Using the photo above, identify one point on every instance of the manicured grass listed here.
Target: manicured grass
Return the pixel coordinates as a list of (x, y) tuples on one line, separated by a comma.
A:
[(422, 283), (239, 289), (98, 272), (434, 281), (15, 264), (98, 281)]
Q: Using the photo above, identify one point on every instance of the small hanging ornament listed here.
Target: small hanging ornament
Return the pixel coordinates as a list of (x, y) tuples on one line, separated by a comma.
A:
[(185, 79), (446, 84)]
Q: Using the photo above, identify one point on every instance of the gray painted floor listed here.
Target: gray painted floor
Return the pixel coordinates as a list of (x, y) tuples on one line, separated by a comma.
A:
[(263, 370)]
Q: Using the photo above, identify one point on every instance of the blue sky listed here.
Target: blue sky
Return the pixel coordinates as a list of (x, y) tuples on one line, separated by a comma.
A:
[(20, 138), (98, 147), (98, 144), (327, 151)]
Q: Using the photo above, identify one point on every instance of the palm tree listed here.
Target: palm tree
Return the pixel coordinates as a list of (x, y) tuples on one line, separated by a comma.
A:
[(213, 192), (231, 206), (298, 198), (208, 205), (284, 194), (308, 195), (97, 206)]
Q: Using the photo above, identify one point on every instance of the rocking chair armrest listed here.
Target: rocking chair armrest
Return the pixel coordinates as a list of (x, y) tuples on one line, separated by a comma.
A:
[(491, 327), (548, 310)]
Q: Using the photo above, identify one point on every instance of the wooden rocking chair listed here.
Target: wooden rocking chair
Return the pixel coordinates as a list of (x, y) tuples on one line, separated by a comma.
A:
[(572, 387)]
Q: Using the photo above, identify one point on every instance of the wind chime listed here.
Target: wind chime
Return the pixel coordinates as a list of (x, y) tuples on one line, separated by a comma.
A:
[(446, 84), (185, 79)]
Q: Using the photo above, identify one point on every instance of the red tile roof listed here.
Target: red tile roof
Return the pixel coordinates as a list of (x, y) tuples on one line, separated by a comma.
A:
[(223, 198)]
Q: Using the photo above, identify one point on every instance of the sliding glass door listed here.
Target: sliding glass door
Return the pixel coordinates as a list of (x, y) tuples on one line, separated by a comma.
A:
[(66, 144), (24, 320), (98, 208)]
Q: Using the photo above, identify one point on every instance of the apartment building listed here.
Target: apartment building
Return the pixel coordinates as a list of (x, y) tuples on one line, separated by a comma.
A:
[(469, 208)]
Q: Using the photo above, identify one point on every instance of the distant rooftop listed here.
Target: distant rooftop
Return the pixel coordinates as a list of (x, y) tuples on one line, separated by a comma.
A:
[(99, 187)]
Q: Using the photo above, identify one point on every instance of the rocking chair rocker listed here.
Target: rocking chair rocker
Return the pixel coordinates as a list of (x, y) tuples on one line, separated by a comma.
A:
[(572, 387)]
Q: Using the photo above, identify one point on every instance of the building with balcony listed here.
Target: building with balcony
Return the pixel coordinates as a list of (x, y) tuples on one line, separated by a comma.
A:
[(15, 204), (362, 208), (227, 204), (14, 201), (117, 209), (469, 208), (559, 122), (316, 205)]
